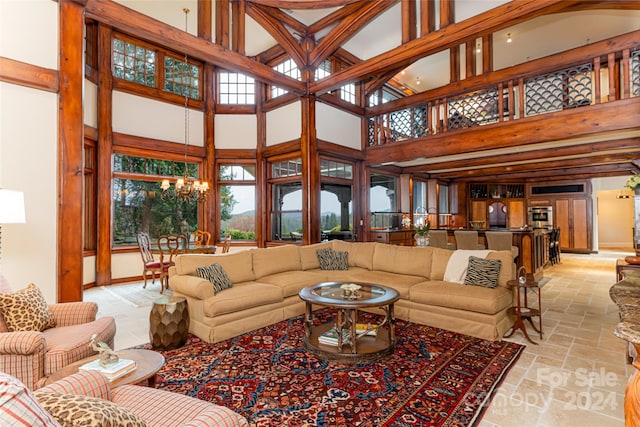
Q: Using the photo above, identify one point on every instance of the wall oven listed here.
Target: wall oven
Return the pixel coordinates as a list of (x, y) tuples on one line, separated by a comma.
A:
[(541, 216)]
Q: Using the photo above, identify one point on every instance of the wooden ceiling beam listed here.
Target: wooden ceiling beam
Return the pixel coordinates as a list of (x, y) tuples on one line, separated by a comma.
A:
[(543, 165), (333, 17), (147, 28), (279, 32), (588, 149), (304, 4), (503, 16), (346, 28), (587, 172)]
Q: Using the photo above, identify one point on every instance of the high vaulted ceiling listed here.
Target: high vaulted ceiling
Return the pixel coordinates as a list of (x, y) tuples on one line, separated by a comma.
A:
[(389, 40)]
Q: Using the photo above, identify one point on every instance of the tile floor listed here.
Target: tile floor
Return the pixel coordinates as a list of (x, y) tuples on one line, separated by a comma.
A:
[(575, 377)]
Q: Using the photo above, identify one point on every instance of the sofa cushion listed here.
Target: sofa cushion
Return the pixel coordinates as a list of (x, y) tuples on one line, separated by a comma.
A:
[(507, 269), (292, 281), (216, 275), (308, 257), (275, 260), (242, 296), (415, 261), (360, 254), (482, 272), (19, 407), (400, 282), (439, 260), (332, 260), (26, 310), (459, 296), (76, 410), (237, 265)]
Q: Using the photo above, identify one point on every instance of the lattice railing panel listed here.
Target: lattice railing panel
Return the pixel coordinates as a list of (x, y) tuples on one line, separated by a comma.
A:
[(472, 110), (569, 88), (635, 73), (400, 125)]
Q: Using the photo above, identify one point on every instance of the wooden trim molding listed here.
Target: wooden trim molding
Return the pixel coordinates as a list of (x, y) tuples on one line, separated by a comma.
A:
[(23, 74)]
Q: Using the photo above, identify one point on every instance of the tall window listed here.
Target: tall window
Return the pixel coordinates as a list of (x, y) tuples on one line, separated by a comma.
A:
[(383, 194), (336, 200), (237, 190), (236, 88), (90, 192), (419, 195), (137, 202), (286, 200)]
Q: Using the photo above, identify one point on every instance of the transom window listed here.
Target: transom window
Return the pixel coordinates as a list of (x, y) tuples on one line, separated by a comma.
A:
[(287, 168), (288, 68), (236, 88), (323, 70), (336, 169), (181, 78), (134, 63)]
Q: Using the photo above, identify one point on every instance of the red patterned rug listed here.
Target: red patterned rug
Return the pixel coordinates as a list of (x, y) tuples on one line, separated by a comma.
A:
[(434, 378)]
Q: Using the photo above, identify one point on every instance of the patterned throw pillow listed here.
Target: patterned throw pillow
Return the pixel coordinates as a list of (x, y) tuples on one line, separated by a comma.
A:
[(332, 260), (26, 310), (482, 272), (76, 410), (19, 407), (216, 275)]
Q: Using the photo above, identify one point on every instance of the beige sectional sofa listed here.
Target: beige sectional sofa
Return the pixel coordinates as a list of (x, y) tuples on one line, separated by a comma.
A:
[(266, 282)]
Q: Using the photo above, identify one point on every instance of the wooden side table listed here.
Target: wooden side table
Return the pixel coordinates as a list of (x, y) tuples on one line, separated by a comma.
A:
[(148, 363), (622, 265), (522, 310), (169, 323)]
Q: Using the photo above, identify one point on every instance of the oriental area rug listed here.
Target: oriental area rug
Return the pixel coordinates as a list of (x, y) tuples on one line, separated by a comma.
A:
[(434, 378)]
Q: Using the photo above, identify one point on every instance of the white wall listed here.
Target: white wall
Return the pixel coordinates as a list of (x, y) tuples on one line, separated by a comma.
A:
[(28, 152), (236, 131), (284, 124), (337, 126), (90, 104), (168, 11), (135, 115), (612, 217), (28, 146)]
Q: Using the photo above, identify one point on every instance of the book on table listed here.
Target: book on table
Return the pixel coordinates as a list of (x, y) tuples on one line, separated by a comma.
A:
[(330, 337), (111, 370)]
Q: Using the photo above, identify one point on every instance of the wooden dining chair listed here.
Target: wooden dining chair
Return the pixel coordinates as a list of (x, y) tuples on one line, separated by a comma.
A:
[(149, 263), (201, 237), (170, 247), (226, 245)]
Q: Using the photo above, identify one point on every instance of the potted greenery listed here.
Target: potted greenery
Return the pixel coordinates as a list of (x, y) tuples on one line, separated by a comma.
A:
[(422, 234), (634, 183)]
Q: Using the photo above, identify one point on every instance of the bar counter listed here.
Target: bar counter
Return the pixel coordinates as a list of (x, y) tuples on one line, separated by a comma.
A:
[(533, 244)]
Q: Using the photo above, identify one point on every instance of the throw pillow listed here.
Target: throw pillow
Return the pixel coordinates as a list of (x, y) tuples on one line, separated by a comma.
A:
[(76, 410), (19, 407), (482, 272), (26, 310), (332, 260), (216, 275)]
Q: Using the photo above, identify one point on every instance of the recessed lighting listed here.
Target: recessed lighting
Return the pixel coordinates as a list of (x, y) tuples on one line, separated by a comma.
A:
[(417, 80), (478, 48), (509, 40)]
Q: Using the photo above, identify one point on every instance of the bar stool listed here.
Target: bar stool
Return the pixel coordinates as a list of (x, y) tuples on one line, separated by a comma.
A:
[(467, 239), (501, 241), (439, 239)]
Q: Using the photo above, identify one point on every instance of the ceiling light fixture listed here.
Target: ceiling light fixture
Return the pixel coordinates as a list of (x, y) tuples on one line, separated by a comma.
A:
[(185, 189), (417, 80), (478, 48), (509, 39)]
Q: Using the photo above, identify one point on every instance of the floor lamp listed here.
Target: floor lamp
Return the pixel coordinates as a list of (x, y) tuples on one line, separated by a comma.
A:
[(11, 212)]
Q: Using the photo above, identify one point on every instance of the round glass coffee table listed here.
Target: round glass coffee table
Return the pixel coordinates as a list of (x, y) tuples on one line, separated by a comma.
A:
[(358, 342)]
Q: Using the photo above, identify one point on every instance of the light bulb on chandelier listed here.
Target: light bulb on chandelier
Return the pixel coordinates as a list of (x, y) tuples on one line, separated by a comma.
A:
[(185, 189)]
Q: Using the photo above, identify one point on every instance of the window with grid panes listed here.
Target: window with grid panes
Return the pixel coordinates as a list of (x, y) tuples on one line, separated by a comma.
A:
[(288, 68), (286, 200), (134, 63), (237, 191), (236, 88), (323, 70), (181, 78)]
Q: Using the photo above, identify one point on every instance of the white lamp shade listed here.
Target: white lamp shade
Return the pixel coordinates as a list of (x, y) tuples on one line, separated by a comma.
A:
[(11, 207)]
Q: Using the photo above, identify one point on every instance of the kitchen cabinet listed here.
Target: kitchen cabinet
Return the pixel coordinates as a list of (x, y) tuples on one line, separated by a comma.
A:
[(573, 217), (393, 237), (498, 205)]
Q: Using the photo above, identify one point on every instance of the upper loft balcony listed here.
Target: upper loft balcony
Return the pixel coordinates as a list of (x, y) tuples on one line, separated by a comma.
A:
[(560, 110)]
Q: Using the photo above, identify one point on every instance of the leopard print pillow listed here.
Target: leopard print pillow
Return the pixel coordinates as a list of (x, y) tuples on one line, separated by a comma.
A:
[(75, 410), (26, 310)]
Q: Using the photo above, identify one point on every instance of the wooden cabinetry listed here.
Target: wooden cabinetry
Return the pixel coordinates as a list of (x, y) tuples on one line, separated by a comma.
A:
[(572, 211), (393, 237), (498, 205), (572, 216)]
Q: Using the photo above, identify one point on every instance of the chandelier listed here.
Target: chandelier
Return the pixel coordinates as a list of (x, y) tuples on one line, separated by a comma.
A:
[(186, 188)]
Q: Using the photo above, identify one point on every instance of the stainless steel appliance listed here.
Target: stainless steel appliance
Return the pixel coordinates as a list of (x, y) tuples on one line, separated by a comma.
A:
[(541, 216)]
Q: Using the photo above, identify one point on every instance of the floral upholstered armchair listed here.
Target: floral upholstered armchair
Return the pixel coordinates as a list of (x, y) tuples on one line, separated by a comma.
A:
[(37, 339)]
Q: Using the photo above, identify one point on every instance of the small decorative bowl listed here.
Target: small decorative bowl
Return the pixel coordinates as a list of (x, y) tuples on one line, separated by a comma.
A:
[(635, 260), (477, 225)]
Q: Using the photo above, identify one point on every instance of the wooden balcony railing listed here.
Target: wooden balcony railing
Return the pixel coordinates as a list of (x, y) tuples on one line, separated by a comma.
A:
[(602, 72)]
